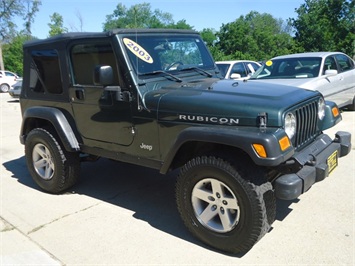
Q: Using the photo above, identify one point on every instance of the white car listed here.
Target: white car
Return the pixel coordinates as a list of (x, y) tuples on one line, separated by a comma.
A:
[(7, 79), (331, 73), (237, 69)]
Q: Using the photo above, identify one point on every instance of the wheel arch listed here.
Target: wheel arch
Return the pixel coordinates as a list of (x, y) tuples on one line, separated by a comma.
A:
[(191, 149), (203, 141), (49, 117)]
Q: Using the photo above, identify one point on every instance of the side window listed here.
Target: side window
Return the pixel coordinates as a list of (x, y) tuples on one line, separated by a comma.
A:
[(255, 66), (239, 68), (344, 62), (329, 64), (45, 73), (9, 74), (251, 67), (85, 57)]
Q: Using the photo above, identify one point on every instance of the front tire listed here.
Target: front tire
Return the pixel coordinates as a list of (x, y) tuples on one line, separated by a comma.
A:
[(51, 167), (4, 87), (227, 207), (351, 107)]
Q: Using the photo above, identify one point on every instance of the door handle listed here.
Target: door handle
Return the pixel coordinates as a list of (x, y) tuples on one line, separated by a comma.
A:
[(80, 94)]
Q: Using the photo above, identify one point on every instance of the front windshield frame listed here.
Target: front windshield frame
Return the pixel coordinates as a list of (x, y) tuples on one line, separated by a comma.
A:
[(289, 68), (156, 53)]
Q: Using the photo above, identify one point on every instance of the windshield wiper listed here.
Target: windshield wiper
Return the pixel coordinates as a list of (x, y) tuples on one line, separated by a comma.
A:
[(199, 70), (161, 72)]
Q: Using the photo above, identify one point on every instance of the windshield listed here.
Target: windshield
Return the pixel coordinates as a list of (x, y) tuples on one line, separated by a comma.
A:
[(154, 54), (289, 68)]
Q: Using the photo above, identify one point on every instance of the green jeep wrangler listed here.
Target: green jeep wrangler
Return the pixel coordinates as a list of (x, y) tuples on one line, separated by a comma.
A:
[(155, 98)]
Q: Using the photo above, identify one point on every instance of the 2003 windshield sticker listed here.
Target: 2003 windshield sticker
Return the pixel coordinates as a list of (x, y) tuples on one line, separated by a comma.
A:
[(138, 50)]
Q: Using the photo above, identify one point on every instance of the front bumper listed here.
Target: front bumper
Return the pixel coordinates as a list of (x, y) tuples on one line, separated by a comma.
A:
[(315, 165)]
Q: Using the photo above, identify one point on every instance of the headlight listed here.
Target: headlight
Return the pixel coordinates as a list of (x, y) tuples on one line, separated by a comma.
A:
[(321, 108), (290, 125)]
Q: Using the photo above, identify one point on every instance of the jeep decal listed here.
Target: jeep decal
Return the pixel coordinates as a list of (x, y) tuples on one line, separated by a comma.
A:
[(146, 147)]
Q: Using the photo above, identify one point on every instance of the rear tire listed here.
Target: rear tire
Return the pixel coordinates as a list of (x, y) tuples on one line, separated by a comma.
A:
[(227, 207), (51, 167)]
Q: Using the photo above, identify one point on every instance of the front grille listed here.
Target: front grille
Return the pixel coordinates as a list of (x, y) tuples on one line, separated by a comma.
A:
[(307, 120)]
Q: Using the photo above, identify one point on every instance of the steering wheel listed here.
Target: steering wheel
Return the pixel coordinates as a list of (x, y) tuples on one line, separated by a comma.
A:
[(177, 63)]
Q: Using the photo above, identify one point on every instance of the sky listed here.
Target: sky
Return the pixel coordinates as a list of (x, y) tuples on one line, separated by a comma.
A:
[(198, 13)]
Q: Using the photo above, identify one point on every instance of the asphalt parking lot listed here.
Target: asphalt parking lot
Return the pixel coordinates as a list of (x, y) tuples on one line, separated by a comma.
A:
[(121, 214)]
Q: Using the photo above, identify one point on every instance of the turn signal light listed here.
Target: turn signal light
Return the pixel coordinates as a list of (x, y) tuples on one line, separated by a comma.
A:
[(260, 150), (335, 111), (284, 143)]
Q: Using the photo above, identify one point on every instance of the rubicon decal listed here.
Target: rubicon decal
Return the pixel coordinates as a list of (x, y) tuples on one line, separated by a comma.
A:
[(210, 119)]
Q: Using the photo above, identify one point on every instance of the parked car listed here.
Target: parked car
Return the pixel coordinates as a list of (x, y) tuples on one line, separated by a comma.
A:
[(237, 69), (7, 79), (15, 90), (331, 73)]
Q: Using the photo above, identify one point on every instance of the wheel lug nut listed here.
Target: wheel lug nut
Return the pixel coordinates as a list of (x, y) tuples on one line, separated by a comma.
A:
[(211, 198)]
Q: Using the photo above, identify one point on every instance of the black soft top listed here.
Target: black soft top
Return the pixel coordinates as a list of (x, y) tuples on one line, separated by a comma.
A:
[(65, 37)]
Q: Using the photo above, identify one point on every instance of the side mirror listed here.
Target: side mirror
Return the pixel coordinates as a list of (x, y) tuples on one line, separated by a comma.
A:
[(331, 72), (103, 75), (236, 76)]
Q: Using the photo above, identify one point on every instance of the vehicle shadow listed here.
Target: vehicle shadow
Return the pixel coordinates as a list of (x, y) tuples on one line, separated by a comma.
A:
[(14, 101), (146, 192)]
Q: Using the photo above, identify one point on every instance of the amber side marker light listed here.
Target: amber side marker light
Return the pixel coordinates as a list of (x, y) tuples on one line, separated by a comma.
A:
[(284, 143), (335, 111), (260, 150)]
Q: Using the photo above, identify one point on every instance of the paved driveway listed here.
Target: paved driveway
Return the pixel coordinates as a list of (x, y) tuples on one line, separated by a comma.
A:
[(125, 214)]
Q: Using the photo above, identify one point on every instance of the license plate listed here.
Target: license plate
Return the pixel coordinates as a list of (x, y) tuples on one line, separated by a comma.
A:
[(332, 161)]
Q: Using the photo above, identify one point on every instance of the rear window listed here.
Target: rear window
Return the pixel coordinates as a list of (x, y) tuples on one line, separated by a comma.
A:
[(45, 76)]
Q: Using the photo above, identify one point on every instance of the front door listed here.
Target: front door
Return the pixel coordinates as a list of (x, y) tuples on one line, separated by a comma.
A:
[(99, 115)]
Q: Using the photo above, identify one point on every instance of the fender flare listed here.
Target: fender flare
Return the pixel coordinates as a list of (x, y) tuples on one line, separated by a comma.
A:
[(329, 120), (241, 138), (59, 122)]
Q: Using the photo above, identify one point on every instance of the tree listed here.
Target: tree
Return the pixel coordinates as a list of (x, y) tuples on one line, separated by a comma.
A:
[(141, 16), (181, 24), (32, 7), (11, 9), (13, 55), (81, 22), (56, 25), (256, 37), (209, 36), (326, 25), (137, 16)]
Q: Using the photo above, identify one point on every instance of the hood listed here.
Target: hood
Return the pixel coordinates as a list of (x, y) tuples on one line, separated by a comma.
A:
[(224, 101)]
